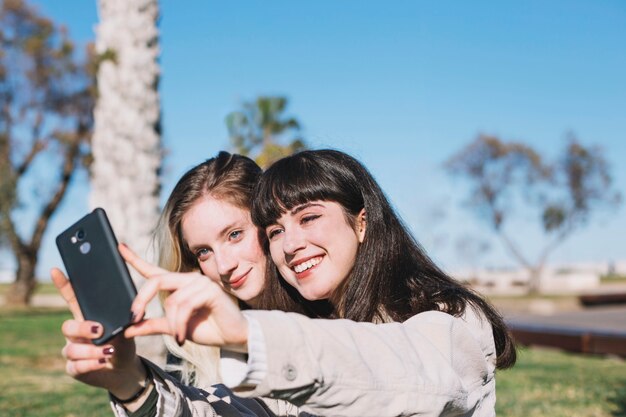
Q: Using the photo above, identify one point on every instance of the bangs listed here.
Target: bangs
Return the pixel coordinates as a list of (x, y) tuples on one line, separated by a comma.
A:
[(294, 181)]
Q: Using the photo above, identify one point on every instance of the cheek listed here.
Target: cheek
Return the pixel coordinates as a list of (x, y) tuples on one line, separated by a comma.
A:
[(275, 253), (209, 269), (346, 259), (253, 252)]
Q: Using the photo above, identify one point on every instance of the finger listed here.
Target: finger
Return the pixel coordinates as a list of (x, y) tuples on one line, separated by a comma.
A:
[(148, 327), (151, 288), (67, 292), (199, 301), (83, 330), (145, 294), (180, 306), (145, 268), (170, 306), (80, 367), (84, 351)]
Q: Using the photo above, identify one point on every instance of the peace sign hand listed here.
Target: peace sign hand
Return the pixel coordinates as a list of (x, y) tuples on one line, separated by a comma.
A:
[(196, 309)]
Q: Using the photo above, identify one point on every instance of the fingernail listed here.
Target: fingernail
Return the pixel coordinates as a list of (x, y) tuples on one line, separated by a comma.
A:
[(102, 360), (108, 350), (95, 329), (134, 318), (180, 340)]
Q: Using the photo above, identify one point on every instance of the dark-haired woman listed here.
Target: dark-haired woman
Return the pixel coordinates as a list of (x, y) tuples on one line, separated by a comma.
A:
[(333, 236)]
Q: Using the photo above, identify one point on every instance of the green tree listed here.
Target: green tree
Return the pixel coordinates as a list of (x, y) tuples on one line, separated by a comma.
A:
[(563, 194), (46, 103), (262, 131)]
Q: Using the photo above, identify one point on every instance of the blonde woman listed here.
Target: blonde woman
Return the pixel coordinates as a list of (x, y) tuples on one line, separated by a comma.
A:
[(206, 227)]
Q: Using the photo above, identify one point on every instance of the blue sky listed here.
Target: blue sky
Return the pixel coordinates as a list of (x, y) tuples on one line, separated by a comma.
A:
[(401, 85)]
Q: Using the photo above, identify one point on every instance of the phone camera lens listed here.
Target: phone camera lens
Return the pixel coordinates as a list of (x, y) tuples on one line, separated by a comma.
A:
[(80, 235)]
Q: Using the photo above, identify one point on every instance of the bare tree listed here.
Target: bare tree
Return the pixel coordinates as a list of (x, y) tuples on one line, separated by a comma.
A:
[(46, 103), (257, 128), (507, 175), (127, 134)]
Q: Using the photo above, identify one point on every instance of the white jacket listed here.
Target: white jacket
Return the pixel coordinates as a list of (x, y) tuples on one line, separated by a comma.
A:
[(433, 364)]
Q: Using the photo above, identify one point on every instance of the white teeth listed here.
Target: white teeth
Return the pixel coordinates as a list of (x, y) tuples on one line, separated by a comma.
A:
[(306, 265)]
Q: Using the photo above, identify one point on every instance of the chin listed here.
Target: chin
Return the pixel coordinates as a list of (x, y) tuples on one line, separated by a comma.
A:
[(316, 296)]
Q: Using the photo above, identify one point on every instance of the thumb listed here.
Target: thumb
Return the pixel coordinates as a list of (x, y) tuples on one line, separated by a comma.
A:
[(67, 292)]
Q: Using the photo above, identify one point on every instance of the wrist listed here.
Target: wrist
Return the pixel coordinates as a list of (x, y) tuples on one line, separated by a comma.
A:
[(134, 387)]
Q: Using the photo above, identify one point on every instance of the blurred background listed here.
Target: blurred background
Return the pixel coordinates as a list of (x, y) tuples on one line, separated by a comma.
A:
[(495, 128), (404, 87)]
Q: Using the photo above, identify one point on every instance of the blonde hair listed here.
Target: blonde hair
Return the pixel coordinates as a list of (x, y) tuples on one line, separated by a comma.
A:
[(227, 176)]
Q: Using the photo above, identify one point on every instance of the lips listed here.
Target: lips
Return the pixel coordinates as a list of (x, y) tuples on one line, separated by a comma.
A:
[(239, 281)]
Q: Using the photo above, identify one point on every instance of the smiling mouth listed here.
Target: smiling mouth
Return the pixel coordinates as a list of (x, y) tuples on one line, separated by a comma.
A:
[(239, 281), (306, 265)]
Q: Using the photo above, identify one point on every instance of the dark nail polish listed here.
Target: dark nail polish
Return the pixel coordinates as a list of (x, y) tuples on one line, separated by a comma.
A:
[(134, 318), (102, 360), (108, 350), (95, 328)]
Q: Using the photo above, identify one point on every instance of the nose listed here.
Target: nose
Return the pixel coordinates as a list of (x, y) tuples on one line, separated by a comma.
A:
[(293, 241), (226, 262)]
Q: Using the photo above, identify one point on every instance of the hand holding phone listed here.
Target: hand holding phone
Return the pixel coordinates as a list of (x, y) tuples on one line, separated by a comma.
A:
[(98, 274)]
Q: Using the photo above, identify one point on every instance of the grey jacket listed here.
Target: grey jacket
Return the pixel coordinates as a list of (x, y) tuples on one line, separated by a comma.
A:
[(431, 365)]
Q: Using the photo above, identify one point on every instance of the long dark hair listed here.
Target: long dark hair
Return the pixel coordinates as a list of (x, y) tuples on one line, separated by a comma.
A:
[(392, 277)]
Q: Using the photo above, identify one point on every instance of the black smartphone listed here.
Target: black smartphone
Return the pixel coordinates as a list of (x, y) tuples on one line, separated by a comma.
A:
[(98, 274)]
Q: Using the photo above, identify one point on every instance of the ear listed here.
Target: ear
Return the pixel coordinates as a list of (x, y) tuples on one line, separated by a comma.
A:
[(361, 225)]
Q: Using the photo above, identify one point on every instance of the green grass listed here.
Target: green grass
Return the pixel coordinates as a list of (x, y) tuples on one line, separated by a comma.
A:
[(543, 383), (552, 383), (34, 383), (613, 279), (42, 288)]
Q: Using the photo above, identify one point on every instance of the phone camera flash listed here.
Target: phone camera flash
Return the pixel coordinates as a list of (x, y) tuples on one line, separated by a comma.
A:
[(85, 248)]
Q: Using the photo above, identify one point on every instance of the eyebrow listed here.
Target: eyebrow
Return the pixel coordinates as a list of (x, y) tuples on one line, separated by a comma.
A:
[(301, 207)]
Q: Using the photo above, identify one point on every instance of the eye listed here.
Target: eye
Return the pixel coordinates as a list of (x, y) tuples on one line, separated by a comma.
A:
[(203, 254), (272, 233), (309, 218), (235, 235)]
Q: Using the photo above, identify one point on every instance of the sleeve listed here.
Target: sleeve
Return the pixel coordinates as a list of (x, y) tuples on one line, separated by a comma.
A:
[(178, 400), (431, 364), (245, 369)]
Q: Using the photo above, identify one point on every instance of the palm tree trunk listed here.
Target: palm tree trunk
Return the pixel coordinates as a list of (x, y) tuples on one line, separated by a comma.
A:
[(126, 144)]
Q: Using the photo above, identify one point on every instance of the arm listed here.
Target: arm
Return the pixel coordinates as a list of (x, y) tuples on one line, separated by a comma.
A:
[(430, 364), (116, 368), (177, 399)]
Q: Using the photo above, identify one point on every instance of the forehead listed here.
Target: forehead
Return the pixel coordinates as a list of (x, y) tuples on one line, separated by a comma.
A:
[(208, 217)]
